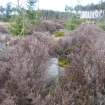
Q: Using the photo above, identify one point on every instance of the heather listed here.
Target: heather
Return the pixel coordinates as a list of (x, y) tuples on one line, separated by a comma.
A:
[(51, 57), (24, 63)]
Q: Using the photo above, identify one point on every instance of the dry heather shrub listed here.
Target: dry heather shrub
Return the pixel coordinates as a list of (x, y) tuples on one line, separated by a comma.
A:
[(22, 71), (52, 26), (73, 88), (8, 101), (4, 38), (3, 29), (48, 26), (84, 83), (85, 46), (44, 37), (88, 51), (47, 40), (85, 80)]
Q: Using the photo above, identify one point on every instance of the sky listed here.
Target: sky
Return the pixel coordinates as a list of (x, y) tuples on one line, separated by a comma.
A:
[(56, 5)]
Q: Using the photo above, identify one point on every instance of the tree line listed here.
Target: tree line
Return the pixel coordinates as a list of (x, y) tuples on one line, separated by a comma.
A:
[(100, 8), (9, 11)]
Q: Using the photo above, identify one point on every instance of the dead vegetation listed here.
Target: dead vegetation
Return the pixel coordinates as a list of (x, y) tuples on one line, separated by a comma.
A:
[(4, 27)]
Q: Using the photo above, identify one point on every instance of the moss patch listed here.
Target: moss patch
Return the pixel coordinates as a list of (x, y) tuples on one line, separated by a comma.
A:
[(59, 34), (63, 62)]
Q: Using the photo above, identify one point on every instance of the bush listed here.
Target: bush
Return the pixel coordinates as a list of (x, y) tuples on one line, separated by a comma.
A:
[(22, 71), (18, 27), (48, 26), (23, 22), (47, 40), (84, 81), (23, 78)]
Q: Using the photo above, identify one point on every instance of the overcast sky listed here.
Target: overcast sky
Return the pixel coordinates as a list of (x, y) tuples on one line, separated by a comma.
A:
[(57, 5)]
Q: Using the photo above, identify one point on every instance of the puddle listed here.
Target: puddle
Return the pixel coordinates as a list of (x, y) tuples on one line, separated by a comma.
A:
[(54, 70), (2, 46)]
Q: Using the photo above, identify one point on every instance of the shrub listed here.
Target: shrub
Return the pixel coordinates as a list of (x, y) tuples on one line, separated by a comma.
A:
[(22, 71), (21, 25), (25, 19), (16, 27), (84, 80), (46, 39)]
